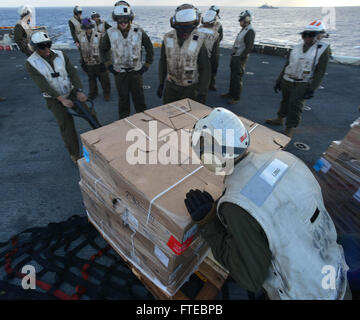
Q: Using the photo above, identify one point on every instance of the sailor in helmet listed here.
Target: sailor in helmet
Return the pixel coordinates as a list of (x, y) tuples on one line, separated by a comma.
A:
[(75, 24), (301, 75), (184, 67), (100, 25), (213, 32), (242, 47), (22, 30), (270, 227), (121, 51), (89, 40), (60, 84)]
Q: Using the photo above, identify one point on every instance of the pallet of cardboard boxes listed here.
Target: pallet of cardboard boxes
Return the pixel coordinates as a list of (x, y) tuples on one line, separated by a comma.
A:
[(338, 172), (134, 178)]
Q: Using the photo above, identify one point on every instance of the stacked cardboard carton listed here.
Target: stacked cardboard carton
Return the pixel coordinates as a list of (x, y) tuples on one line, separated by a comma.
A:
[(134, 178), (338, 173)]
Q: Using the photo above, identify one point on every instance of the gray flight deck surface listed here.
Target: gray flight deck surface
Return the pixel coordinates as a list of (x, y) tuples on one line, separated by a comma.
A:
[(39, 182)]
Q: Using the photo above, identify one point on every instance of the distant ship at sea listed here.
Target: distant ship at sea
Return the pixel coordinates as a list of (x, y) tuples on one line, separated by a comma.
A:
[(266, 6)]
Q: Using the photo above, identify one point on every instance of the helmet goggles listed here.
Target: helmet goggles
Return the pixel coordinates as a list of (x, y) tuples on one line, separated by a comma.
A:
[(43, 45)]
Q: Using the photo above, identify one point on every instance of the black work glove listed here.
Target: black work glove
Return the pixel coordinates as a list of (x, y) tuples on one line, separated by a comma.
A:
[(159, 90), (199, 204), (309, 94), (112, 70), (143, 69), (277, 87), (201, 98), (102, 67)]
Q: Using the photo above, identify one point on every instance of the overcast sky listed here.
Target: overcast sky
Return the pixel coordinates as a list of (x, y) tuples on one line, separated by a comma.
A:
[(242, 3)]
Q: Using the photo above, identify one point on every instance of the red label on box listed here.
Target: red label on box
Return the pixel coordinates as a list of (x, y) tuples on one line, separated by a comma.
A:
[(177, 247)]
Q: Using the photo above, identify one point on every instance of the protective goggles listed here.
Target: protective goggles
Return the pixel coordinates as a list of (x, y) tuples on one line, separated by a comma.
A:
[(124, 19), (44, 45), (309, 34)]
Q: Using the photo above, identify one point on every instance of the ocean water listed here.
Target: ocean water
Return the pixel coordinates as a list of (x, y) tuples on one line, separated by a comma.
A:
[(281, 25)]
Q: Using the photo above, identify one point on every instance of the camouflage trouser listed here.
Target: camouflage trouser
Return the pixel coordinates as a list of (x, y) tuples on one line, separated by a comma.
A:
[(97, 72), (237, 70), (292, 103), (130, 83), (173, 92), (66, 123), (214, 61)]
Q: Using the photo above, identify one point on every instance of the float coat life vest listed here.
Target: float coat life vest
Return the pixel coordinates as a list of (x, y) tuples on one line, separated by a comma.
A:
[(281, 193)]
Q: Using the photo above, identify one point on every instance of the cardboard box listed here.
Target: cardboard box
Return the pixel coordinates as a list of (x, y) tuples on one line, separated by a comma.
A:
[(338, 173), (158, 263)]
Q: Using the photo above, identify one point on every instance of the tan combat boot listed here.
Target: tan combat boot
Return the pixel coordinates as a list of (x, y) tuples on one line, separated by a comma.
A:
[(277, 121), (289, 132)]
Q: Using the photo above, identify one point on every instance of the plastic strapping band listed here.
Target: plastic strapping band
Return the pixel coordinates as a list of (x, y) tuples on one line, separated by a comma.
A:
[(96, 181), (168, 189), (141, 131), (252, 129), (188, 113)]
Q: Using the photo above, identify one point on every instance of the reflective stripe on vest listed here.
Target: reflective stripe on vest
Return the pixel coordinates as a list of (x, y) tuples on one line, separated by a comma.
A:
[(182, 66), (211, 35), (126, 53), (77, 25), (302, 65), (281, 193), (61, 83), (90, 49), (239, 44)]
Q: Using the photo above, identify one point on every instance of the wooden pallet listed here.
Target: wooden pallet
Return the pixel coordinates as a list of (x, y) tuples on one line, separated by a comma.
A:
[(210, 272)]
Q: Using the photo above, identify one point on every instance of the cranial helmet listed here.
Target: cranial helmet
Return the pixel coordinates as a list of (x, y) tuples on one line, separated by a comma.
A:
[(77, 10), (24, 11), (186, 16), (245, 15), (209, 17), (220, 139), (95, 14), (38, 38), (123, 12)]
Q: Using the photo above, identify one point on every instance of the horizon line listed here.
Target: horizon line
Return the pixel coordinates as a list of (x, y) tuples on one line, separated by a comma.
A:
[(144, 5)]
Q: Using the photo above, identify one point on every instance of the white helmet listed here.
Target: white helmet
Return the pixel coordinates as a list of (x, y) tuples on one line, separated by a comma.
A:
[(209, 17), (317, 26), (122, 11), (220, 139), (77, 10), (95, 14), (185, 15), (245, 15), (39, 37), (24, 11)]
